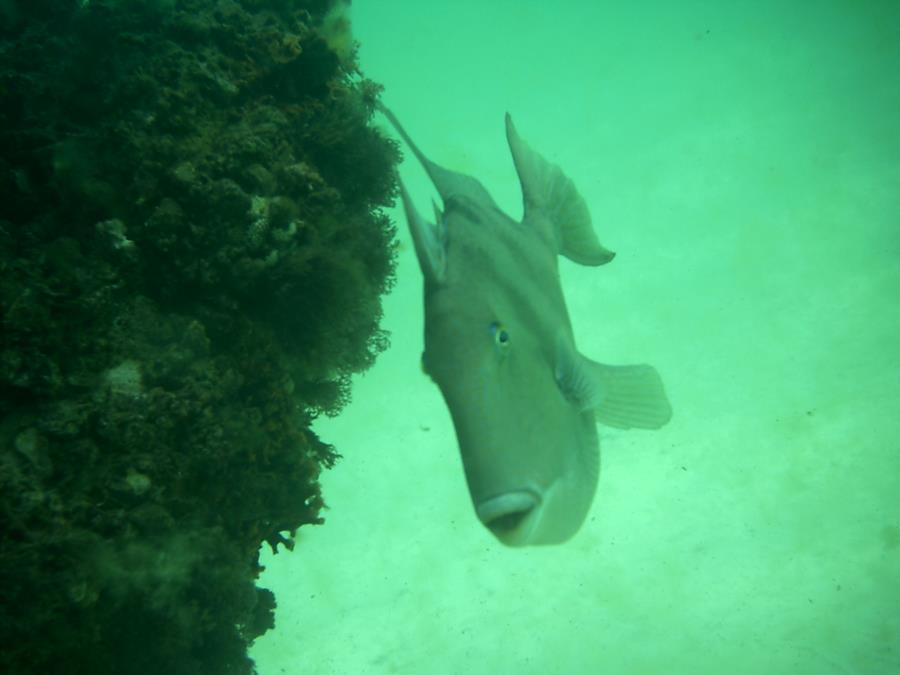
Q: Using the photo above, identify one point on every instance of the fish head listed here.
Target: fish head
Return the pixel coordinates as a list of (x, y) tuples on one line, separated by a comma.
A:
[(530, 456)]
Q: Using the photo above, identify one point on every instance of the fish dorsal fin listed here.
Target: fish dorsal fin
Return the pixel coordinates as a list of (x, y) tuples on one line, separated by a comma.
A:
[(624, 397), (430, 241), (546, 189), (448, 183)]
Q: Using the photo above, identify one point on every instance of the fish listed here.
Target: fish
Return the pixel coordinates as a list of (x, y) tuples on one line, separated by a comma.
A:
[(498, 342)]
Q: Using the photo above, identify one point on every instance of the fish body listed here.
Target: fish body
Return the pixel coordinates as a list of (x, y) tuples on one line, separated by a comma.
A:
[(499, 345)]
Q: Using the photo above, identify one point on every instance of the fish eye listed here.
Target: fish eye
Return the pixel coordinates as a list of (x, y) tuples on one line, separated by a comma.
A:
[(501, 335)]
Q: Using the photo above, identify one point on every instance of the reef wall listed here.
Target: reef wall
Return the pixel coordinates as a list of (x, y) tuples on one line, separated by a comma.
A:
[(192, 255)]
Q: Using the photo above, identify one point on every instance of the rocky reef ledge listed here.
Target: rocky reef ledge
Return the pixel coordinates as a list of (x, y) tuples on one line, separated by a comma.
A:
[(192, 257)]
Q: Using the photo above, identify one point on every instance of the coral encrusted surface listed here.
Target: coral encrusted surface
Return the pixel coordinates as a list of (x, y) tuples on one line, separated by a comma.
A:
[(192, 259)]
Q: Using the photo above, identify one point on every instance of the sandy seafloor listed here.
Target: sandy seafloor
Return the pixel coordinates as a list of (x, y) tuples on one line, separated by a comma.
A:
[(743, 159)]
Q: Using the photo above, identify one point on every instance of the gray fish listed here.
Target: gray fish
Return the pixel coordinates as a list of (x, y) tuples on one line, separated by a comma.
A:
[(499, 345)]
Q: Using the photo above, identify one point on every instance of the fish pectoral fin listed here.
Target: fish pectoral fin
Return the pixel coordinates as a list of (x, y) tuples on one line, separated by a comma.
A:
[(629, 396), (624, 397), (545, 188)]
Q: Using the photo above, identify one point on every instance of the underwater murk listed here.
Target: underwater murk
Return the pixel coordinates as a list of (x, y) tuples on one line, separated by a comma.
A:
[(660, 308)]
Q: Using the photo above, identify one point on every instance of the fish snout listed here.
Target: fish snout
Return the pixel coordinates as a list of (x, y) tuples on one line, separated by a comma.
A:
[(505, 513)]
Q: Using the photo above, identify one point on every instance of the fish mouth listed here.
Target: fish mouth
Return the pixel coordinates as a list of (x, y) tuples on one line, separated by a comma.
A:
[(504, 513)]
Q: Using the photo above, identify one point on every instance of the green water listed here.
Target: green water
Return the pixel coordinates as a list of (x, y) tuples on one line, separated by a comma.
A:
[(744, 162)]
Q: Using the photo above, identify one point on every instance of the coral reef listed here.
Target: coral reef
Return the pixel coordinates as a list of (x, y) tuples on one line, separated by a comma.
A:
[(192, 256)]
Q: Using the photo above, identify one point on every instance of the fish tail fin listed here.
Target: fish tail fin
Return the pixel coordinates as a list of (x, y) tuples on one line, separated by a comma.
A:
[(547, 189)]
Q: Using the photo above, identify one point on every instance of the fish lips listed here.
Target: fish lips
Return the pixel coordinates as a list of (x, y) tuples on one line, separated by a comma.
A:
[(505, 514)]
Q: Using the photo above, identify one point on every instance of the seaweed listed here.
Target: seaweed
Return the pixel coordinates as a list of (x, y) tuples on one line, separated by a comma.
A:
[(192, 257)]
